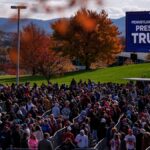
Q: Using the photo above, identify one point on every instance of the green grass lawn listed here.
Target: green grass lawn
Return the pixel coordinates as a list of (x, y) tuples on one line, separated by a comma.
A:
[(111, 74)]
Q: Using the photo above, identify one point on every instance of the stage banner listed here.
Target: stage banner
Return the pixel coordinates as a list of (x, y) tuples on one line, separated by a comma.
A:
[(138, 31)]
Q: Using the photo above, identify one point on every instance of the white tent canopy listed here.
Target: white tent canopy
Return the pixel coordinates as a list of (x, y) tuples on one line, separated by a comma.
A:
[(138, 79)]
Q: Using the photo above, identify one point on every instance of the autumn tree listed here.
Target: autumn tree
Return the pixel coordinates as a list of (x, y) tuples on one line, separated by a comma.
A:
[(36, 53), (33, 40), (88, 36), (52, 63)]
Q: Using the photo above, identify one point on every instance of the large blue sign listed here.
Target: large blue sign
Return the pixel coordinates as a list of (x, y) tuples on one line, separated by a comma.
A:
[(138, 31)]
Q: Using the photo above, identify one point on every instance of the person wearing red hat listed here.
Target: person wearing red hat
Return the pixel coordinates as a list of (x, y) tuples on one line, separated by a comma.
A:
[(68, 135)]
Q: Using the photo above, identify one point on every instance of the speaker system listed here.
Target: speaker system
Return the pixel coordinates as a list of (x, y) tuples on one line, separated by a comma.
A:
[(133, 57)]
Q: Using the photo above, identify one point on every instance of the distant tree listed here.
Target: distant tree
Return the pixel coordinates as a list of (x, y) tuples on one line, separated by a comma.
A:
[(88, 37), (52, 63), (36, 53), (32, 41)]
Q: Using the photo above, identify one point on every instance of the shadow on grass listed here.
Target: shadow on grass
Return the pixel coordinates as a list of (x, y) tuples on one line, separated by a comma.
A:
[(22, 79), (41, 78), (73, 73)]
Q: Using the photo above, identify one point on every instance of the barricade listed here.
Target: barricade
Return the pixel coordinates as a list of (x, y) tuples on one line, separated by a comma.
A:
[(56, 138), (148, 148), (102, 144), (75, 119), (47, 113)]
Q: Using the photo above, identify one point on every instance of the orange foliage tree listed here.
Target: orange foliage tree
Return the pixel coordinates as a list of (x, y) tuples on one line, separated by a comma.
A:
[(33, 40), (36, 52), (88, 36), (52, 63)]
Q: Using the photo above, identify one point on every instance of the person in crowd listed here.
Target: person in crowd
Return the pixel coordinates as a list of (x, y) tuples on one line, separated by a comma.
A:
[(47, 103), (68, 134), (38, 133), (56, 110), (26, 129), (82, 140), (5, 137), (16, 136), (130, 140), (24, 140), (66, 111), (32, 142), (123, 142), (115, 142), (67, 145), (46, 126), (53, 123), (139, 139), (45, 144), (75, 128)]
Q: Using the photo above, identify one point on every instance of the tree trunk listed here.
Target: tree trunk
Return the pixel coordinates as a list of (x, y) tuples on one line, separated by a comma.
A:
[(33, 71), (47, 77), (87, 65)]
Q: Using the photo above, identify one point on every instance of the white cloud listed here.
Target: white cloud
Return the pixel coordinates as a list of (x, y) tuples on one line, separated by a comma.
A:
[(114, 12), (118, 8), (115, 8)]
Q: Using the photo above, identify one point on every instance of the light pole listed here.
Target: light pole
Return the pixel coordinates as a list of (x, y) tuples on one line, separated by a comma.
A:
[(18, 42)]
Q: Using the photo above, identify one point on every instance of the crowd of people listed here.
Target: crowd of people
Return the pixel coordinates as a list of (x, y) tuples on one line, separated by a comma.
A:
[(97, 105)]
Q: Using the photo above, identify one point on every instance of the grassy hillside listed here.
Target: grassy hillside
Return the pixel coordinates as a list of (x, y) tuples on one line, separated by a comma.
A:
[(112, 74)]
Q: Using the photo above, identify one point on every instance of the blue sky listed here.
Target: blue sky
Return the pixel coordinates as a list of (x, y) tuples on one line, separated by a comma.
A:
[(114, 8)]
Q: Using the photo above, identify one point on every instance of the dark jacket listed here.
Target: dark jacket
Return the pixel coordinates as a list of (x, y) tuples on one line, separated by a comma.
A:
[(45, 144)]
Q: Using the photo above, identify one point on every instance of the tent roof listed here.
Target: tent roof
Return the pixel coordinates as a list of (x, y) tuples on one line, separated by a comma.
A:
[(138, 79)]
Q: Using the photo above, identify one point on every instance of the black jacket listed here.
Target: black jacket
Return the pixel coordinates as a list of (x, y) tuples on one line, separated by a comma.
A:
[(45, 145)]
